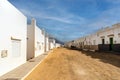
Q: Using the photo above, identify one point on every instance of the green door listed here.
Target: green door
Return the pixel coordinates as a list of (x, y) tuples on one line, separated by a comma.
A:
[(111, 44)]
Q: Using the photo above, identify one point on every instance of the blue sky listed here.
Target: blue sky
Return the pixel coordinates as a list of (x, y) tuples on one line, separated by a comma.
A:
[(70, 19)]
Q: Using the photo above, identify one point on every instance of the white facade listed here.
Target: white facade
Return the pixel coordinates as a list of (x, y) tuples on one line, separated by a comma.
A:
[(107, 39), (57, 45), (51, 43), (47, 43), (35, 41), (110, 32), (13, 37)]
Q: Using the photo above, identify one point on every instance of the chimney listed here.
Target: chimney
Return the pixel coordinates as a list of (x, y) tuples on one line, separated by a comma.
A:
[(43, 32), (33, 22)]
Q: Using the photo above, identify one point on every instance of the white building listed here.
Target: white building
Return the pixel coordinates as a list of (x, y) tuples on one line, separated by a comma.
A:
[(35, 40), (51, 43), (107, 39), (47, 43), (57, 45), (13, 37)]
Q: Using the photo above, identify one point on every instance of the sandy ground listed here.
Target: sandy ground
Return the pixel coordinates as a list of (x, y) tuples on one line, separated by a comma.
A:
[(65, 64)]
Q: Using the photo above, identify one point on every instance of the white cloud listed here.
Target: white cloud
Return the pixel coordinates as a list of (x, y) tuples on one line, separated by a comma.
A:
[(114, 1), (64, 20), (106, 18), (62, 16), (66, 17)]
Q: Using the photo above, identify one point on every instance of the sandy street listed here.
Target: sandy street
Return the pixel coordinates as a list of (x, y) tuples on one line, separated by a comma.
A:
[(65, 64)]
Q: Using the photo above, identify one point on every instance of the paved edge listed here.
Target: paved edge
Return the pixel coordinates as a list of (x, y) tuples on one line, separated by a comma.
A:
[(36, 65)]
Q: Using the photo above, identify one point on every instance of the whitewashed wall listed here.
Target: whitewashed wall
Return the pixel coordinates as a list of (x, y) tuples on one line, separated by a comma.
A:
[(36, 40), (47, 43), (113, 30), (30, 41), (13, 26), (93, 40), (57, 45), (39, 41), (52, 43)]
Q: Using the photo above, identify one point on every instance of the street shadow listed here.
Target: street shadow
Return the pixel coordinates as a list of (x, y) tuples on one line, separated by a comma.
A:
[(106, 57)]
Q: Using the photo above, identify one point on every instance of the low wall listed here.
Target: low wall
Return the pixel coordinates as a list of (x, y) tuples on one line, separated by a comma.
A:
[(106, 47), (103, 47), (116, 47)]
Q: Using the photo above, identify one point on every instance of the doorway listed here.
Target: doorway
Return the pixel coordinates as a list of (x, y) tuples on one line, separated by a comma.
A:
[(16, 48), (111, 44), (103, 41)]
